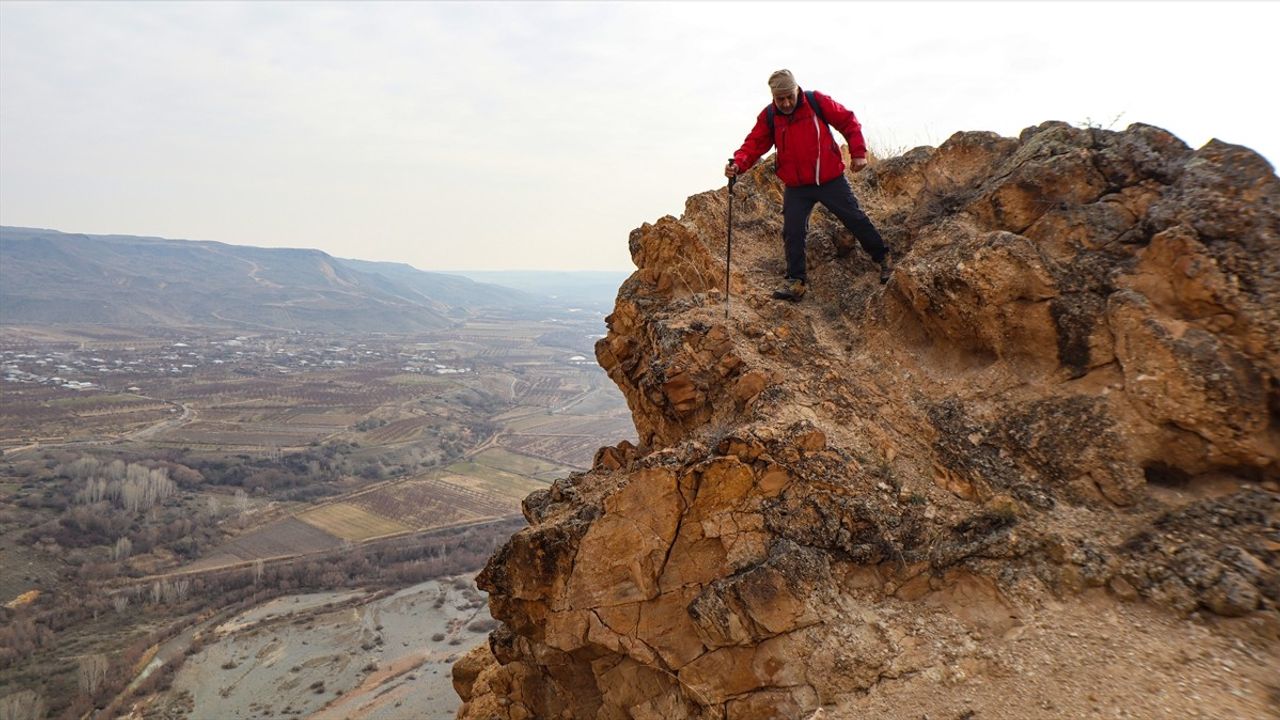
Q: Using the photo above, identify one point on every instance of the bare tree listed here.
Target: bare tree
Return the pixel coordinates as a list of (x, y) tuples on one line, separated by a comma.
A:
[(81, 468), (122, 550), (115, 470), (95, 490), (142, 488), (93, 670), (24, 705), (170, 592), (137, 473)]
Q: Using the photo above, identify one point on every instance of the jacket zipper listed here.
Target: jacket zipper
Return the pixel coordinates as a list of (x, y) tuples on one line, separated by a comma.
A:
[(817, 163)]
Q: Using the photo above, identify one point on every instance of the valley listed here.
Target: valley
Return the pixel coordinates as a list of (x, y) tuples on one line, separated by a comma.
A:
[(153, 480)]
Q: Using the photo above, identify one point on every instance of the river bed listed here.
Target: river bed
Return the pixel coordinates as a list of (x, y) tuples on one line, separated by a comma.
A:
[(337, 655)]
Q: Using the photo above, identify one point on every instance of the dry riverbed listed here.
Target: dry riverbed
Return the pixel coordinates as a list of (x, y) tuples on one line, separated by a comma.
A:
[(382, 656)]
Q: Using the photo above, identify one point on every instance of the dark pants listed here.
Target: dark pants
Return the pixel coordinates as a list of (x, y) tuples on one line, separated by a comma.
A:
[(836, 196)]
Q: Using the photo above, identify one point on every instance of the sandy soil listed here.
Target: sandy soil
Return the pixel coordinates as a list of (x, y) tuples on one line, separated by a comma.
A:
[(336, 655), (1086, 657)]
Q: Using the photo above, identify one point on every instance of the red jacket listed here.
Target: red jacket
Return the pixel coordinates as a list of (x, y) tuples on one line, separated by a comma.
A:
[(807, 151)]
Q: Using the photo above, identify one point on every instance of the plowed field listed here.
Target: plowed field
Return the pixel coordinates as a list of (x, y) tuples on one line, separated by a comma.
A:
[(426, 502), (350, 522), (398, 431)]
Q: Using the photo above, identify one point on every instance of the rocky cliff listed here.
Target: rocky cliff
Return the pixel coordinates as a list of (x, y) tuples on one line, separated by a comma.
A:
[(1033, 472)]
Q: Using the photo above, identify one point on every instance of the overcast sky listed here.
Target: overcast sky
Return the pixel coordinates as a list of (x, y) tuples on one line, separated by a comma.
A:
[(537, 135)]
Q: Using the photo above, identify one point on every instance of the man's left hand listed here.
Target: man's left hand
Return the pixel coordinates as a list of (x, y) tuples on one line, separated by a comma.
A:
[(857, 164)]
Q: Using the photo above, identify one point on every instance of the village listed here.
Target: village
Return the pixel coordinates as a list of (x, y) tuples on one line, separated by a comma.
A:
[(110, 368)]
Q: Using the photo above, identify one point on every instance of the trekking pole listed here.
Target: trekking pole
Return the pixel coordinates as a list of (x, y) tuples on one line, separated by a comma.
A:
[(728, 248)]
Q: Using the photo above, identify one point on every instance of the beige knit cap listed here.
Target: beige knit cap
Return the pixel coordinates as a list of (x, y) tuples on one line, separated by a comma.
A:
[(782, 82)]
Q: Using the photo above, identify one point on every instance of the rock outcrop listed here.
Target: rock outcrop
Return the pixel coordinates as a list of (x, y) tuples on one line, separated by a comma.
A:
[(1069, 388)]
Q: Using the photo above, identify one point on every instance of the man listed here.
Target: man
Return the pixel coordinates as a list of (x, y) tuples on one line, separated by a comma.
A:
[(810, 165)]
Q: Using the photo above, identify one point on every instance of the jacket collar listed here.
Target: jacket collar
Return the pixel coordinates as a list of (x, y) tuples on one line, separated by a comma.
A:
[(802, 101)]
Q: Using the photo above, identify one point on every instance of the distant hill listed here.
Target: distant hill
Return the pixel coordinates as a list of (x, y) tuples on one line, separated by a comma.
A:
[(50, 277), (597, 289), (456, 289)]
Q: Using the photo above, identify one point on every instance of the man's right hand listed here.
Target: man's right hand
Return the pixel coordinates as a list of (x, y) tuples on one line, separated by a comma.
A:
[(731, 170)]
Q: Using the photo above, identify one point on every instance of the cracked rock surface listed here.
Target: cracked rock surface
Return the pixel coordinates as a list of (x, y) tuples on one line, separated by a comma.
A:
[(1041, 459)]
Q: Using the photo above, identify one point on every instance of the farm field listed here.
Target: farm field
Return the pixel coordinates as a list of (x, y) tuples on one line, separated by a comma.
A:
[(233, 437), (568, 440), (344, 438), (282, 538), (573, 450), (500, 485), (526, 465), (51, 415), (465, 493), (436, 501), (601, 401), (568, 425), (351, 522), (400, 431)]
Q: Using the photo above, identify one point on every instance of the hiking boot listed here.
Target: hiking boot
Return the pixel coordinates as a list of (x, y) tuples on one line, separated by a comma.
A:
[(791, 290), (886, 268)]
